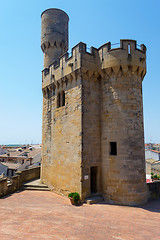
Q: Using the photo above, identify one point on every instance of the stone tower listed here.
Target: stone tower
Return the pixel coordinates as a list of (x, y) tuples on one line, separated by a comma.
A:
[(54, 35), (92, 134)]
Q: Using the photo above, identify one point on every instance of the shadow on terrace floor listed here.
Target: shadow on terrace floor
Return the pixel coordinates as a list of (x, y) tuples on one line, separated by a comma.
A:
[(9, 195), (152, 205)]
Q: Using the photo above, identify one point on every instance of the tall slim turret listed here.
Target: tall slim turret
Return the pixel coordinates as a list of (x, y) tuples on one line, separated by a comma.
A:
[(54, 35)]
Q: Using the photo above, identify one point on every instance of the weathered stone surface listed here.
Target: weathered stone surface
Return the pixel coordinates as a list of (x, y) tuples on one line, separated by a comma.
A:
[(54, 35), (103, 104)]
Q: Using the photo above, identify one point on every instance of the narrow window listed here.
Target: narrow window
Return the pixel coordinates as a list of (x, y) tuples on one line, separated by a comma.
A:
[(49, 116), (129, 48), (63, 98), (53, 92), (102, 55), (58, 100), (113, 148), (48, 93)]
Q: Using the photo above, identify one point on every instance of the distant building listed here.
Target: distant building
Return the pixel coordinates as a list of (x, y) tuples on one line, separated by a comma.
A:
[(11, 168), (152, 159), (2, 151), (20, 158), (152, 154), (152, 146), (3, 169)]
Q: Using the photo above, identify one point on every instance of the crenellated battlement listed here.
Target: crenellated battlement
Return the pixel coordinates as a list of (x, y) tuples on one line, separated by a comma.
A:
[(128, 56), (64, 66)]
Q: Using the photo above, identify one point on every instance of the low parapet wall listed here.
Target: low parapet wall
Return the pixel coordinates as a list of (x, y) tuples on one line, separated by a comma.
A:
[(3, 186), (16, 181), (29, 174), (33, 173)]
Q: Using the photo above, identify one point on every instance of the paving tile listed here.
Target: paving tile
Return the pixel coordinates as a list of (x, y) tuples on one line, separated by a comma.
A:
[(46, 215)]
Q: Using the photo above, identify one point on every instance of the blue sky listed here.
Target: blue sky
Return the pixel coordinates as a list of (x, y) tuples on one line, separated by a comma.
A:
[(93, 22)]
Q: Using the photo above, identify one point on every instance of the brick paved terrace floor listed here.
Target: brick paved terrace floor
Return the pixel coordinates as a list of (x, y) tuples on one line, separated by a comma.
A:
[(46, 215)]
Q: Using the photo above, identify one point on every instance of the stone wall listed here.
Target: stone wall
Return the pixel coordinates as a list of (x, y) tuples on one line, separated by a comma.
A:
[(123, 174), (3, 187), (16, 181), (62, 139), (91, 132), (14, 185), (29, 174)]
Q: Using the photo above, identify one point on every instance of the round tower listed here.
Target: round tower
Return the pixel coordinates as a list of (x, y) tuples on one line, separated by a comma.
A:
[(54, 35), (122, 135)]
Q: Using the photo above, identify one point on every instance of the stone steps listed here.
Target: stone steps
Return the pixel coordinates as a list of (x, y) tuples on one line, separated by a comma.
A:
[(35, 188), (35, 185), (94, 199)]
